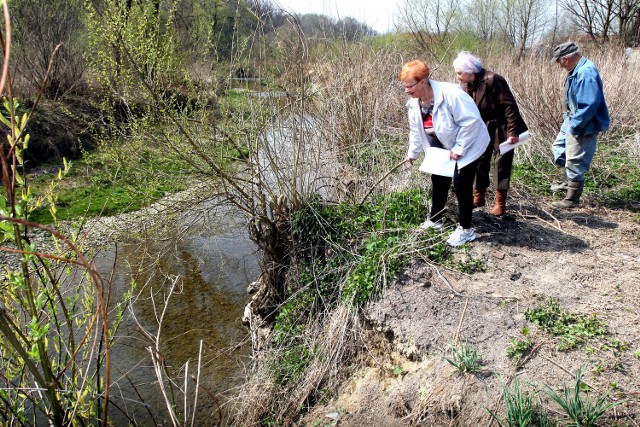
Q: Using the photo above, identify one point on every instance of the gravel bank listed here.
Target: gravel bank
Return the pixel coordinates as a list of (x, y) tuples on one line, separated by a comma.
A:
[(99, 233)]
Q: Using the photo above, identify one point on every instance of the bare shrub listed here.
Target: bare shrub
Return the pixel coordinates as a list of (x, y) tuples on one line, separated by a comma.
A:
[(360, 113), (40, 26)]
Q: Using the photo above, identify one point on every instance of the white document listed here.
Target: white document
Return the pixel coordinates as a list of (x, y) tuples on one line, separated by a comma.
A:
[(505, 146), (437, 162)]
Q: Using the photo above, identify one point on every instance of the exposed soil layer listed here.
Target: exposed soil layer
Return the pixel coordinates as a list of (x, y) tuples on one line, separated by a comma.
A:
[(586, 258)]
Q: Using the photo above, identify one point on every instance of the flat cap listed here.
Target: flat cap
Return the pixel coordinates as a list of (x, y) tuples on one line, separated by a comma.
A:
[(563, 50)]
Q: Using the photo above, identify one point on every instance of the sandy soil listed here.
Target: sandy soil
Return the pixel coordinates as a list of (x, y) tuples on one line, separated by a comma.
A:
[(587, 258)]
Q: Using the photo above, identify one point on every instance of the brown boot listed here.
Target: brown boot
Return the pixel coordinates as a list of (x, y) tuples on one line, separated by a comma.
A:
[(501, 200), (478, 197)]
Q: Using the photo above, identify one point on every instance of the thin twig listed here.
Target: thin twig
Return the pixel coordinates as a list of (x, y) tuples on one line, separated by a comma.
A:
[(567, 371), (457, 334), (444, 279), (534, 350), (392, 170)]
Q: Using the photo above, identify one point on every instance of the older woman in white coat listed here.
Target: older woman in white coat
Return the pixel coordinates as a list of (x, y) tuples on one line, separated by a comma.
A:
[(443, 115)]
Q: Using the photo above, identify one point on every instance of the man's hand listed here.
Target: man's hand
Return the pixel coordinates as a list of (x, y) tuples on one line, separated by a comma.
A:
[(453, 156), (410, 161), (513, 140)]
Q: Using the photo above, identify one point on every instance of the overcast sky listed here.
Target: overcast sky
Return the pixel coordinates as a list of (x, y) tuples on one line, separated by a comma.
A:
[(378, 14)]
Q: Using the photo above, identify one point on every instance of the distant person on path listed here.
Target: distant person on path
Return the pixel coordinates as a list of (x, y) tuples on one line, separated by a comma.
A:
[(442, 115), (585, 114), (500, 113)]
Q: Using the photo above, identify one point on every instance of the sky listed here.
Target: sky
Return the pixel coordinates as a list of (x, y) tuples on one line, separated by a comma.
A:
[(378, 14)]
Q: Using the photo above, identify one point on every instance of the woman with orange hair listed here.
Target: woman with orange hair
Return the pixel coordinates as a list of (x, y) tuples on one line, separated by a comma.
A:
[(443, 115)]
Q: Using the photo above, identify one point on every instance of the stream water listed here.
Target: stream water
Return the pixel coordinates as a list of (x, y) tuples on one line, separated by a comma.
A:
[(211, 266)]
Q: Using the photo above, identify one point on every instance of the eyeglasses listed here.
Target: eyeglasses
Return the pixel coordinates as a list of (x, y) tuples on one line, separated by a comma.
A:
[(410, 86)]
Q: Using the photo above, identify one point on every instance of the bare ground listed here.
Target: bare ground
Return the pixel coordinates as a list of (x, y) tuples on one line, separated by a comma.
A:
[(587, 258)]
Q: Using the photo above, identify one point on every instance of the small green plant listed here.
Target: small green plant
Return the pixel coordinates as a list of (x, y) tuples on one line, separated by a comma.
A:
[(535, 175), (615, 345), (291, 363), (583, 412), (573, 329), (470, 266), (518, 348), (520, 409), (464, 358), (397, 370)]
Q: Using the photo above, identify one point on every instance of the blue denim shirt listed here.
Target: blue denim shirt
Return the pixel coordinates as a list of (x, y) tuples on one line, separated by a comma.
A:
[(588, 112)]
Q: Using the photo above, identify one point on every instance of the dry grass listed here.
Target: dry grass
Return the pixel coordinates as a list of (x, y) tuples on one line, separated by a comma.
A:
[(331, 340)]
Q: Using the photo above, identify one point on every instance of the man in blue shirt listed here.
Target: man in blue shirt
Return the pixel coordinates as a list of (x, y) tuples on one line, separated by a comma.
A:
[(585, 114)]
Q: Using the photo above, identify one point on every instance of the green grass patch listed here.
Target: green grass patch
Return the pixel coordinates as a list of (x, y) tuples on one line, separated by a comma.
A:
[(615, 177), (535, 175), (95, 187), (573, 329)]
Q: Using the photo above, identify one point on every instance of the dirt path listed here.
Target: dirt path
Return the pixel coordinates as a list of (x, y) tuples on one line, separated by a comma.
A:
[(586, 258)]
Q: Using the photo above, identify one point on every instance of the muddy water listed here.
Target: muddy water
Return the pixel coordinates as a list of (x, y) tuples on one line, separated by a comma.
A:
[(209, 268)]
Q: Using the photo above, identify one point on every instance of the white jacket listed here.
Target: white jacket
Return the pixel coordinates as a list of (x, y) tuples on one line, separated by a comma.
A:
[(456, 121)]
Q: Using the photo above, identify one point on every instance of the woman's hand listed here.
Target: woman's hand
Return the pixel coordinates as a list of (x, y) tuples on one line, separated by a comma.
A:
[(453, 156)]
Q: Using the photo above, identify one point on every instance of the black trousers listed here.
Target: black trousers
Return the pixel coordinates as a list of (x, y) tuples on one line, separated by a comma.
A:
[(463, 187), (502, 165)]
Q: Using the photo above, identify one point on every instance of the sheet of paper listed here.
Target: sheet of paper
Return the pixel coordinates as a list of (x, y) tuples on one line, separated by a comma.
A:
[(505, 146), (437, 162)]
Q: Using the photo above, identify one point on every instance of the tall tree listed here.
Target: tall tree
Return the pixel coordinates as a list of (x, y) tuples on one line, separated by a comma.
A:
[(522, 22), (430, 22)]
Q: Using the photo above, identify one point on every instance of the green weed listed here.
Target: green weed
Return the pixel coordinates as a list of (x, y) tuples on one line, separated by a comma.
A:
[(518, 348), (291, 363), (520, 409), (573, 329), (535, 175), (470, 266), (464, 358), (583, 412), (397, 370), (615, 345)]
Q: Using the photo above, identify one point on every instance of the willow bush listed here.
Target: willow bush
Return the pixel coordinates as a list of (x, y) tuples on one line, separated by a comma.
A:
[(55, 335)]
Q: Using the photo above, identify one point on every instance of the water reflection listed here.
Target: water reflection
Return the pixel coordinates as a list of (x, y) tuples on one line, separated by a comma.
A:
[(210, 267)]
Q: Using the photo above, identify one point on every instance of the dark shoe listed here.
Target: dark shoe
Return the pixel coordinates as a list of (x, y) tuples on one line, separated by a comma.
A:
[(479, 197), (501, 200), (574, 191), (561, 185)]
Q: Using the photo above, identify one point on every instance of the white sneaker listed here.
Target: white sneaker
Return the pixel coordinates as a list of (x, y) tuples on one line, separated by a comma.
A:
[(428, 224), (461, 236)]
